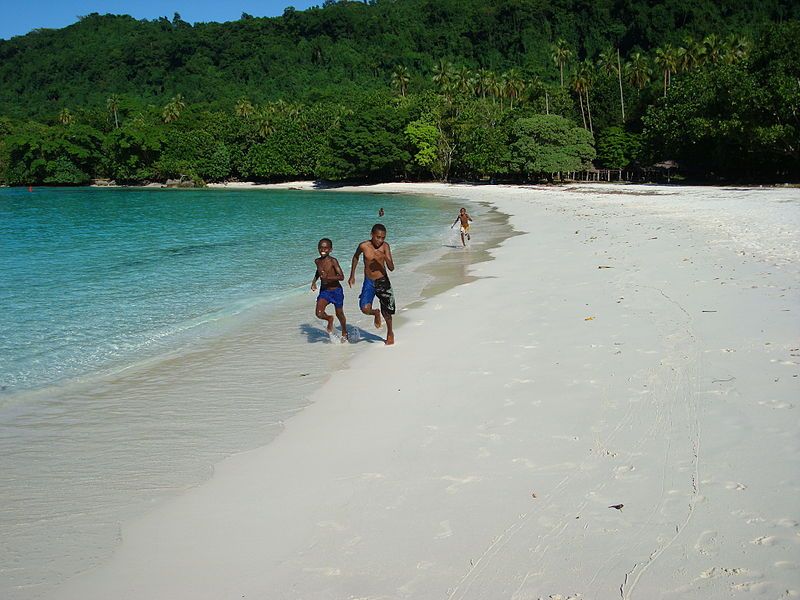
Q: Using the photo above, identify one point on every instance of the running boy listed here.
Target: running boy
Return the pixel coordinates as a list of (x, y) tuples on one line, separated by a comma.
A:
[(329, 274), (464, 229), (377, 259)]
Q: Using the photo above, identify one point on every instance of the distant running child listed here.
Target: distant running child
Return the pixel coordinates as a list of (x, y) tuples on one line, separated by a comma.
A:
[(377, 259), (465, 220), (329, 274)]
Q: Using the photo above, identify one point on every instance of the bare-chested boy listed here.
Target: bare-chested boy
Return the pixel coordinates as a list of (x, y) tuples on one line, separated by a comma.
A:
[(464, 229), (329, 274), (377, 259)]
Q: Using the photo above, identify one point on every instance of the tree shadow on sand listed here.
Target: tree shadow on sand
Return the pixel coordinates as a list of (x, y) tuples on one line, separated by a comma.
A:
[(318, 335)]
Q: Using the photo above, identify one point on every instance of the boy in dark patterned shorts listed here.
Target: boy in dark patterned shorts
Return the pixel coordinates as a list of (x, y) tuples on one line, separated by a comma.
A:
[(377, 259)]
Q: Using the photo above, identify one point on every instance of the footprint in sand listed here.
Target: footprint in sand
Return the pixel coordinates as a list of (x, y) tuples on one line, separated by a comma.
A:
[(445, 531), (715, 572), (707, 544), (765, 540), (775, 404), (623, 471), (733, 485), (758, 587), (459, 482)]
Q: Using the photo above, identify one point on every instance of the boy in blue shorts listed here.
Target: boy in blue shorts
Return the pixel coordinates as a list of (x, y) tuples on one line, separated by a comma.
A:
[(329, 274), (377, 259)]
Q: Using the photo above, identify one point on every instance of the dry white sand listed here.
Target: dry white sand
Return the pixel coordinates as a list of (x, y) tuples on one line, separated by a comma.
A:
[(637, 349)]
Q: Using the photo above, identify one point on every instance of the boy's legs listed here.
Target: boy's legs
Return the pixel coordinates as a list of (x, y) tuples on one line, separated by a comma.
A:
[(389, 332), (322, 304), (383, 290), (342, 321), (376, 314), (365, 302)]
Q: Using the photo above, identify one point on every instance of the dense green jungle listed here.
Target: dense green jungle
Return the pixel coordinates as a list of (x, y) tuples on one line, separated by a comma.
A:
[(386, 90)]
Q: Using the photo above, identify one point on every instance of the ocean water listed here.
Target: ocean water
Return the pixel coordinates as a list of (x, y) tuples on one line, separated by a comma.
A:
[(94, 278), (147, 334)]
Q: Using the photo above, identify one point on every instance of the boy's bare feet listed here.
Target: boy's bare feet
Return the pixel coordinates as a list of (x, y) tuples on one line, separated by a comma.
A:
[(329, 328), (344, 337), (390, 339)]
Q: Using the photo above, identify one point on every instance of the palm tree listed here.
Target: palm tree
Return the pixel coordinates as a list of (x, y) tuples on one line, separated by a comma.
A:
[(112, 104), (463, 80), (483, 80), (713, 48), (514, 85), (609, 62), (264, 122), (400, 79), (244, 108), (666, 58), (293, 110), (561, 55), (638, 70), (443, 74), (66, 117), (493, 85), (737, 48), (585, 75), (172, 110), (692, 56), (578, 85)]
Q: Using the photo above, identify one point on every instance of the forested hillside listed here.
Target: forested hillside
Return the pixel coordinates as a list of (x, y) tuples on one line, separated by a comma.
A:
[(408, 89)]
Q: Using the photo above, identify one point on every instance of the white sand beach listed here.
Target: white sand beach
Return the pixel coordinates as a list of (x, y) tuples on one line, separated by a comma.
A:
[(609, 411)]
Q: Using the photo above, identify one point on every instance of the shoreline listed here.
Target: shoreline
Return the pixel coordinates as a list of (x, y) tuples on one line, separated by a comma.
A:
[(228, 361), (526, 409)]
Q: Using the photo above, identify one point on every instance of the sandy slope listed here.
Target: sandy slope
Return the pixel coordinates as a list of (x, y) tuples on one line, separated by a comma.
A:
[(638, 348)]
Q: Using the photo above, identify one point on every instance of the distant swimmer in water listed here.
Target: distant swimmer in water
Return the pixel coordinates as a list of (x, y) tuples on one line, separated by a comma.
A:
[(380, 212), (464, 229), (329, 274), (377, 259)]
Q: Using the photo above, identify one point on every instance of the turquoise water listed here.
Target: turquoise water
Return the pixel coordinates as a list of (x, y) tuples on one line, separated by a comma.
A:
[(96, 278), (145, 335)]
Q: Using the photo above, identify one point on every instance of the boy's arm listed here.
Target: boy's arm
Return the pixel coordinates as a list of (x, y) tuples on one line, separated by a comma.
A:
[(314, 280), (454, 223), (338, 274), (470, 218), (389, 259), (353, 265)]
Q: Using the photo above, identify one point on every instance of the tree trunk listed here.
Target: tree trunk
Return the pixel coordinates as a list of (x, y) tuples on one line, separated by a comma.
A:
[(619, 78), (589, 111), (583, 113)]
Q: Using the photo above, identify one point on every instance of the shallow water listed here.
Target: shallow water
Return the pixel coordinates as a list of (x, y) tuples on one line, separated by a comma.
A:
[(96, 278), (153, 333)]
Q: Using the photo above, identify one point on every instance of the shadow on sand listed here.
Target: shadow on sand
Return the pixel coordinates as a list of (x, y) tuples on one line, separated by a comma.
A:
[(317, 335)]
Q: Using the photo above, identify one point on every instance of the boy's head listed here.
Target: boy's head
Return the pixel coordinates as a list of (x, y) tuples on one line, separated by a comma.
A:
[(325, 247), (378, 235), (462, 211)]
